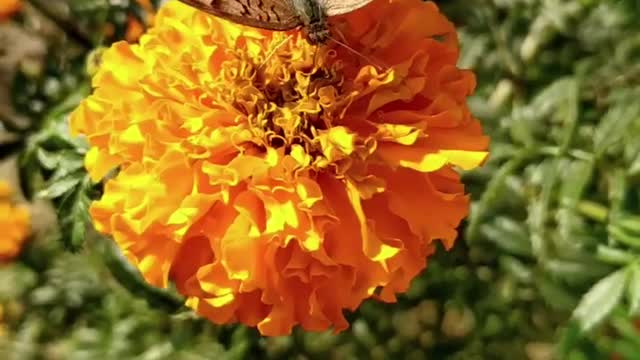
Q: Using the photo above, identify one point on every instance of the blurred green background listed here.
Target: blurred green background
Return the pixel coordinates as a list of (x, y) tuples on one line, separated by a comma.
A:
[(548, 266)]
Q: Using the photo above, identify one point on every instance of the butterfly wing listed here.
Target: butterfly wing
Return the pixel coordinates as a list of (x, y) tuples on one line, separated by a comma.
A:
[(339, 7), (265, 14)]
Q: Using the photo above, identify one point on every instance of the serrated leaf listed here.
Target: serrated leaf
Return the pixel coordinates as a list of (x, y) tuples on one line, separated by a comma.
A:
[(69, 164), (516, 268), (508, 237), (539, 207), (63, 108), (78, 233), (47, 159), (492, 192), (601, 299), (558, 91), (73, 212), (574, 181), (30, 176), (569, 113), (78, 220), (574, 271), (60, 187), (53, 141), (633, 290), (613, 126), (521, 128), (556, 296), (573, 232)]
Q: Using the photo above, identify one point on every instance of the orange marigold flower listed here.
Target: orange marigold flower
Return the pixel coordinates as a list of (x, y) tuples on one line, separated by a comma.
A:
[(15, 225), (278, 183), (8, 8)]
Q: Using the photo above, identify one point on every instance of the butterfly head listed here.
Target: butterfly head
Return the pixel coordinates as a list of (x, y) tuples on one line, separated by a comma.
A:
[(318, 33)]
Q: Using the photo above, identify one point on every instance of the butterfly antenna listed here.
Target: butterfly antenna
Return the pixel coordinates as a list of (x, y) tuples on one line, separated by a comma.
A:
[(274, 50), (368, 59)]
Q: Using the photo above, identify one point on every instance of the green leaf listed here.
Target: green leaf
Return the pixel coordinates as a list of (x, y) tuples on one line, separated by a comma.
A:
[(569, 113), (572, 233), (74, 214), (69, 163), (623, 236), (626, 349), (509, 236), (521, 127), (577, 272), (492, 192), (60, 187), (78, 234), (627, 332), (613, 126), (601, 299), (539, 208), (633, 289), (70, 102), (48, 160), (569, 339), (556, 296), (626, 222), (52, 140), (575, 180), (614, 256), (634, 168), (617, 189), (516, 268)]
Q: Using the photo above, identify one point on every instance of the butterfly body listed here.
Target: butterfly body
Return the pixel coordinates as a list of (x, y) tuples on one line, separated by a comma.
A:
[(281, 15), (313, 19)]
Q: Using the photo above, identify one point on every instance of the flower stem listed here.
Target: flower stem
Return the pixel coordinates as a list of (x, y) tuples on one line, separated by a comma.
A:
[(129, 277)]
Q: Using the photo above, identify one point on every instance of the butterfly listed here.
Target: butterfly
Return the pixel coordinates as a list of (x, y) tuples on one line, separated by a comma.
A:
[(282, 15)]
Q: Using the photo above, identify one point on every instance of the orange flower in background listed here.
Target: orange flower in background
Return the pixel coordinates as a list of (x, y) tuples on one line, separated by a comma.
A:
[(8, 8), (135, 28), (276, 183), (15, 225)]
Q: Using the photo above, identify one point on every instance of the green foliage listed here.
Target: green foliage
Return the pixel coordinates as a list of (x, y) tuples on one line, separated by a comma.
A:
[(548, 265), (52, 164)]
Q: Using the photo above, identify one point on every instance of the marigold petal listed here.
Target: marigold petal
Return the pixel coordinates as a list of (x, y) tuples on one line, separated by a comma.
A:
[(15, 222)]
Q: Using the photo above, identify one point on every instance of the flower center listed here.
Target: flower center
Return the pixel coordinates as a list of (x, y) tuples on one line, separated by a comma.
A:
[(289, 94)]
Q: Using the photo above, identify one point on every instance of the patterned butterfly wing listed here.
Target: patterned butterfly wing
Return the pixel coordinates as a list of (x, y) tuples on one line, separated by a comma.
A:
[(277, 15), (339, 7)]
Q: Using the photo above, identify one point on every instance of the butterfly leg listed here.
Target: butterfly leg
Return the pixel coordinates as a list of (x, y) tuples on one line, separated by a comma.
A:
[(274, 50), (343, 42)]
